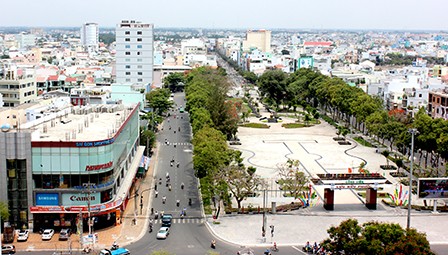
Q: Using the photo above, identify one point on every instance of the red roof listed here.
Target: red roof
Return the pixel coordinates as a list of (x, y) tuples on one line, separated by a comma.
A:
[(53, 78), (326, 44), (70, 79)]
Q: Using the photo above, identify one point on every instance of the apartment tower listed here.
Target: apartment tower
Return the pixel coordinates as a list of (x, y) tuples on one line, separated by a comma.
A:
[(89, 36), (134, 54)]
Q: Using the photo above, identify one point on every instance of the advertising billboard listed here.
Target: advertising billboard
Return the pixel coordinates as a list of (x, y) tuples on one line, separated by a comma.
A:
[(433, 188), (80, 199), (47, 199)]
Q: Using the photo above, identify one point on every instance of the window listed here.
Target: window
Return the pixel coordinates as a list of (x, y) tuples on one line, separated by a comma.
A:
[(127, 66), (127, 46), (127, 32), (128, 80), (139, 60), (139, 46), (128, 73), (139, 53), (140, 73), (139, 80), (127, 60), (139, 67), (127, 39), (139, 32), (127, 53), (139, 39)]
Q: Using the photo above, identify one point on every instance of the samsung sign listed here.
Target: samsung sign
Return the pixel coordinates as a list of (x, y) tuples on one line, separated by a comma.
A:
[(80, 199), (47, 199)]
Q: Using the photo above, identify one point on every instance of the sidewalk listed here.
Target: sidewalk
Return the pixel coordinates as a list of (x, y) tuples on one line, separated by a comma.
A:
[(298, 227), (123, 234)]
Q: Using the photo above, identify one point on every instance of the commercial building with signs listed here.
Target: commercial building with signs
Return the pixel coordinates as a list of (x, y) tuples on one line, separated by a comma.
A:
[(76, 160)]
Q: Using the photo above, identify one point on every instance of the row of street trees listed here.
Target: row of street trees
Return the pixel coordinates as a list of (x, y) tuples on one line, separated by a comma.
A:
[(214, 120), (352, 106)]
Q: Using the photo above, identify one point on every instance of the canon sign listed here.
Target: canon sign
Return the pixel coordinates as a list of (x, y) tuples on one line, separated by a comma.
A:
[(82, 198)]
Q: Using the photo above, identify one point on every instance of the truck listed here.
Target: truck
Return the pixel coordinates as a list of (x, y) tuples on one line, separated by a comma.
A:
[(8, 235), (119, 251)]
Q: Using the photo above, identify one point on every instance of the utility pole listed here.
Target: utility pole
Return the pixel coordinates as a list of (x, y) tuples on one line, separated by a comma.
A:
[(413, 132)]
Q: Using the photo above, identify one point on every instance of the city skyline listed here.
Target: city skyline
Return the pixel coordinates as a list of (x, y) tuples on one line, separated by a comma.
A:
[(250, 14)]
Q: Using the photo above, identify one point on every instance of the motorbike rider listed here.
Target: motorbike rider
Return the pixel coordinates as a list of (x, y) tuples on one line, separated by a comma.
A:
[(182, 185), (163, 199)]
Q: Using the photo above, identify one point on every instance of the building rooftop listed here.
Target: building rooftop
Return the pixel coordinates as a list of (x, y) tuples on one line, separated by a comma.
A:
[(82, 124)]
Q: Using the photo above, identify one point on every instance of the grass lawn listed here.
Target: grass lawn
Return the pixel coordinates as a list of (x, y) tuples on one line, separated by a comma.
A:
[(361, 141), (294, 125), (255, 125)]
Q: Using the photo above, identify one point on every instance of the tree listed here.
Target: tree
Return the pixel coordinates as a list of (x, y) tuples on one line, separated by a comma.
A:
[(210, 151), (174, 81), (373, 238), (148, 139), (241, 181), (386, 154), (4, 211), (272, 85), (291, 179), (158, 99), (250, 77)]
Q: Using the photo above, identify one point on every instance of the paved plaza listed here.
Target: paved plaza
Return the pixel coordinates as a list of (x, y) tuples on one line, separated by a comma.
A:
[(318, 153)]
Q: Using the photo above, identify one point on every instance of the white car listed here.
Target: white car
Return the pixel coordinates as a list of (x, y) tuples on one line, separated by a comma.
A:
[(23, 235), (163, 233), (47, 234)]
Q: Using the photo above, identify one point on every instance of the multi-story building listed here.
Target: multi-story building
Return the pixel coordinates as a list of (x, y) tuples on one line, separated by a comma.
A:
[(25, 40), (438, 104), (67, 163), (260, 39), (90, 36), (134, 53), (17, 89)]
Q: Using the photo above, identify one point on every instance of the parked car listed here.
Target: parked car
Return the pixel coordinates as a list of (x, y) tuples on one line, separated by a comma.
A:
[(8, 249), (163, 233), (64, 234), (47, 234), (23, 235)]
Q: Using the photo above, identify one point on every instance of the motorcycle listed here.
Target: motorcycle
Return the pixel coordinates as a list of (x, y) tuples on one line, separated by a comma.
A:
[(213, 244), (189, 201), (115, 246)]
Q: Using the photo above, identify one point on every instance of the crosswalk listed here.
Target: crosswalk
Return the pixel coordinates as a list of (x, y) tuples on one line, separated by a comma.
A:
[(179, 144), (183, 221)]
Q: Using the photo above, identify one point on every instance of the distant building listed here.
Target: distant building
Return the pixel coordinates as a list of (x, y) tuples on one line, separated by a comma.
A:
[(260, 39), (134, 54), (17, 88), (438, 104), (90, 36), (25, 40)]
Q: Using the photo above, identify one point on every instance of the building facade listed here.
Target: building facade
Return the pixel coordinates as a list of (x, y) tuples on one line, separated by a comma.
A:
[(90, 36), (260, 39), (134, 53), (17, 89), (67, 165)]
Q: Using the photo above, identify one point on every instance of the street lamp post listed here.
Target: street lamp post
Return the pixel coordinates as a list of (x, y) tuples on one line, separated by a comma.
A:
[(413, 132)]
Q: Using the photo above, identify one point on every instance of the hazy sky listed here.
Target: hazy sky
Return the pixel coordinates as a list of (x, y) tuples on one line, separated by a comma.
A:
[(246, 14)]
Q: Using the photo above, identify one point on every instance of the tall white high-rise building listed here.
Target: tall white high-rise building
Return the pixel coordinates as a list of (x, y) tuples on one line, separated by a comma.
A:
[(134, 53), (89, 36)]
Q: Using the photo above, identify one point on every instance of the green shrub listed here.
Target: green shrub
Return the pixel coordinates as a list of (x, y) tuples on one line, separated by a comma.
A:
[(255, 125)]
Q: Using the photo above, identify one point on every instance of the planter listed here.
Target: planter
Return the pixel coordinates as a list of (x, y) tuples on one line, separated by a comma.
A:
[(388, 167)]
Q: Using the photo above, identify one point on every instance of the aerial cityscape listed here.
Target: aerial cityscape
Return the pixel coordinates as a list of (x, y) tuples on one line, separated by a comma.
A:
[(224, 128)]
